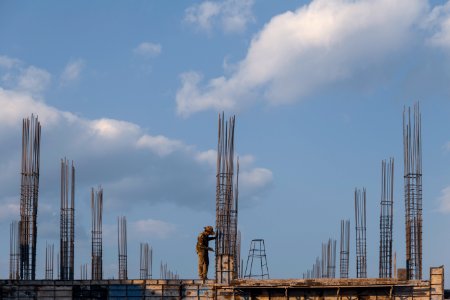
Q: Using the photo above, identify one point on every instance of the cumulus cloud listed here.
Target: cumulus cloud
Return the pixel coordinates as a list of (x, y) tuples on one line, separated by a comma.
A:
[(444, 200), (438, 22), (72, 71), (33, 80), (129, 162), (29, 79), (150, 228), (256, 178), (298, 52), (147, 49), (8, 62), (231, 15)]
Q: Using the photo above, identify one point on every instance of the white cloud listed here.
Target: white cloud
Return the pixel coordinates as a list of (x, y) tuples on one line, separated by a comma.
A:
[(150, 228), (298, 52), (438, 22), (72, 71), (113, 129), (230, 15), (209, 157), (444, 200), (161, 145), (123, 157), (9, 209), (256, 178), (33, 80), (147, 49), (8, 62)]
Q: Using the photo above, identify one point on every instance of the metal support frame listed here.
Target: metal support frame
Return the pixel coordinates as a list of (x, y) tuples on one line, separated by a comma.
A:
[(256, 267)]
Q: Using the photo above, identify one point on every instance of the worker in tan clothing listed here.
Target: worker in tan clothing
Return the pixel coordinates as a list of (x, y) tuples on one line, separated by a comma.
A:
[(202, 249)]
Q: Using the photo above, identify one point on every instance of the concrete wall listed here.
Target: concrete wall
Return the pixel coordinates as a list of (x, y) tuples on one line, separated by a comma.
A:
[(312, 289)]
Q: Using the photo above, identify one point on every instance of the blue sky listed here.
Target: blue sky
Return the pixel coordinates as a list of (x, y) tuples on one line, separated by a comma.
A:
[(131, 92)]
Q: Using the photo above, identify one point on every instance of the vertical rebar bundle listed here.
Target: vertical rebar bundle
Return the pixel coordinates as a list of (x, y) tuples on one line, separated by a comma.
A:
[(67, 221), (122, 246), (345, 249), (328, 263), (84, 271), (96, 230), (238, 254), (14, 255), (386, 218), (226, 204), (412, 143), (165, 273), (49, 261), (360, 220), (256, 267), (29, 190), (146, 263)]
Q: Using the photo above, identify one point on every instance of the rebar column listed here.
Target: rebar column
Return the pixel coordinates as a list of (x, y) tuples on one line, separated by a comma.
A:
[(122, 246), (412, 143), (14, 255), (67, 221), (146, 258), (344, 249), (226, 204), (386, 218), (96, 230), (360, 221), (29, 190), (49, 261)]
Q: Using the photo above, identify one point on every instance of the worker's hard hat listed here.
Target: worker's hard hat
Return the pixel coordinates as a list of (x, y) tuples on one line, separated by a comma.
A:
[(209, 229)]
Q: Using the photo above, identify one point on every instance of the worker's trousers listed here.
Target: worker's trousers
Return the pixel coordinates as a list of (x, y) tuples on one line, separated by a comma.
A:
[(203, 263)]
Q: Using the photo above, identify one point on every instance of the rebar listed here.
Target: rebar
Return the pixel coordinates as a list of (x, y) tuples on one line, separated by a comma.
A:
[(49, 261), (97, 250), (146, 263), (84, 271), (122, 246), (412, 143), (226, 204), (360, 221), (166, 273), (67, 221), (238, 255), (344, 249), (14, 255), (386, 218), (29, 191)]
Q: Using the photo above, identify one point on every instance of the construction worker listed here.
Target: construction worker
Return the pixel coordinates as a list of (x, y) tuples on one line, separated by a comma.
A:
[(202, 249)]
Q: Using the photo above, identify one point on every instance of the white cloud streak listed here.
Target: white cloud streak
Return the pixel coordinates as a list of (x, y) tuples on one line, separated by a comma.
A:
[(148, 49), (444, 200), (33, 80), (232, 16), (150, 228), (8, 62), (298, 52), (72, 71)]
